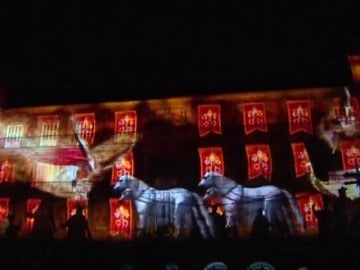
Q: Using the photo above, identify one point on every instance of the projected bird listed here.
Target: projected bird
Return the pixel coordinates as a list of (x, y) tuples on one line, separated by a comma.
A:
[(68, 170)]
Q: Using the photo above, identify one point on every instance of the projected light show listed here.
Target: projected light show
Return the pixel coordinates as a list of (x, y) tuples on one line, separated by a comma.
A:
[(182, 168)]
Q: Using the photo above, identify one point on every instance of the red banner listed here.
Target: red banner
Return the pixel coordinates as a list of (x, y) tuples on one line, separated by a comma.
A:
[(7, 174), (72, 204), (353, 113), (4, 208), (123, 166), (305, 203), (121, 218), (350, 153), (301, 159), (209, 119), (259, 161), (211, 160), (125, 121), (254, 117), (31, 207), (86, 126), (299, 114)]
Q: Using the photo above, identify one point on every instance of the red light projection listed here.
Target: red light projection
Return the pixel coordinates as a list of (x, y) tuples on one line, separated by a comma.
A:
[(209, 119), (211, 160), (7, 174), (120, 218), (305, 203), (123, 166), (259, 161), (254, 116), (72, 204), (350, 153), (85, 126), (4, 208), (301, 159), (32, 206), (299, 115)]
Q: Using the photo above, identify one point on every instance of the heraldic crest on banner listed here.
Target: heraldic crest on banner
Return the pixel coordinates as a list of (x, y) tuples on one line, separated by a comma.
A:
[(211, 160), (299, 115), (259, 161), (209, 119), (301, 159), (254, 116), (350, 153)]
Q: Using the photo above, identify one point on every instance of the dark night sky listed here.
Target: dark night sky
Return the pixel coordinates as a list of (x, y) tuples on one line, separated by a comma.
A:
[(56, 54)]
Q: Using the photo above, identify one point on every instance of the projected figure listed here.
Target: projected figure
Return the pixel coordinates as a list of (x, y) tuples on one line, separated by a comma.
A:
[(241, 203), (177, 206), (54, 169), (96, 166), (341, 122)]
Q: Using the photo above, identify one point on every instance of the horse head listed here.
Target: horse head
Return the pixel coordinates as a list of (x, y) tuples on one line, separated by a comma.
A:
[(210, 179), (125, 181), (126, 195)]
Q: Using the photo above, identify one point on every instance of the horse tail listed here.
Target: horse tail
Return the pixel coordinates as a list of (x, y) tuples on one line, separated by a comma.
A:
[(295, 210), (200, 209)]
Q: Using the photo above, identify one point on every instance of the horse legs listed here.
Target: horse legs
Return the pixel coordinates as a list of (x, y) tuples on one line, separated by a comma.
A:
[(141, 227), (180, 219)]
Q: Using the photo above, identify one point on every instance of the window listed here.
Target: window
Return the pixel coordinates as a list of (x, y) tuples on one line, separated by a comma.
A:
[(13, 135), (49, 130)]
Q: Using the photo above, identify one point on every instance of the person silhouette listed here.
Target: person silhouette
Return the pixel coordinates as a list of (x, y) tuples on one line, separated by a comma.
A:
[(44, 222), (340, 213), (13, 228), (77, 226), (325, 221), (261, 227)]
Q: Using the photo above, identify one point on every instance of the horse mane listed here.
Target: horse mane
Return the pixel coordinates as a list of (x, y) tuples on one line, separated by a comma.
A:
[(224, 183), (139, 184)]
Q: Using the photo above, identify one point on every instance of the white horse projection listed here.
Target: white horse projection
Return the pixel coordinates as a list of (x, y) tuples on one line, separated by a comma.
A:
[(175, 207), (241, 204)]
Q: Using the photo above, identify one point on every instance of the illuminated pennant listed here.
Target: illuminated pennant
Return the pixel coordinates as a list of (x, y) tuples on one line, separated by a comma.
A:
[(209, 119), (259, 161), (350, 153), (211, 160), (72, 204), (305, 203), (254, 117), (4, 208), (354, 112), (299, 115), (120, 218), (86, 126), (301, 159), (123, 166), (32, 206), (125, 121), (7, 174)]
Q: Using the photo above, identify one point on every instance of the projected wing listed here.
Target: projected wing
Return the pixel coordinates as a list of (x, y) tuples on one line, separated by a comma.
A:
[(61, 163), (329, 133)]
